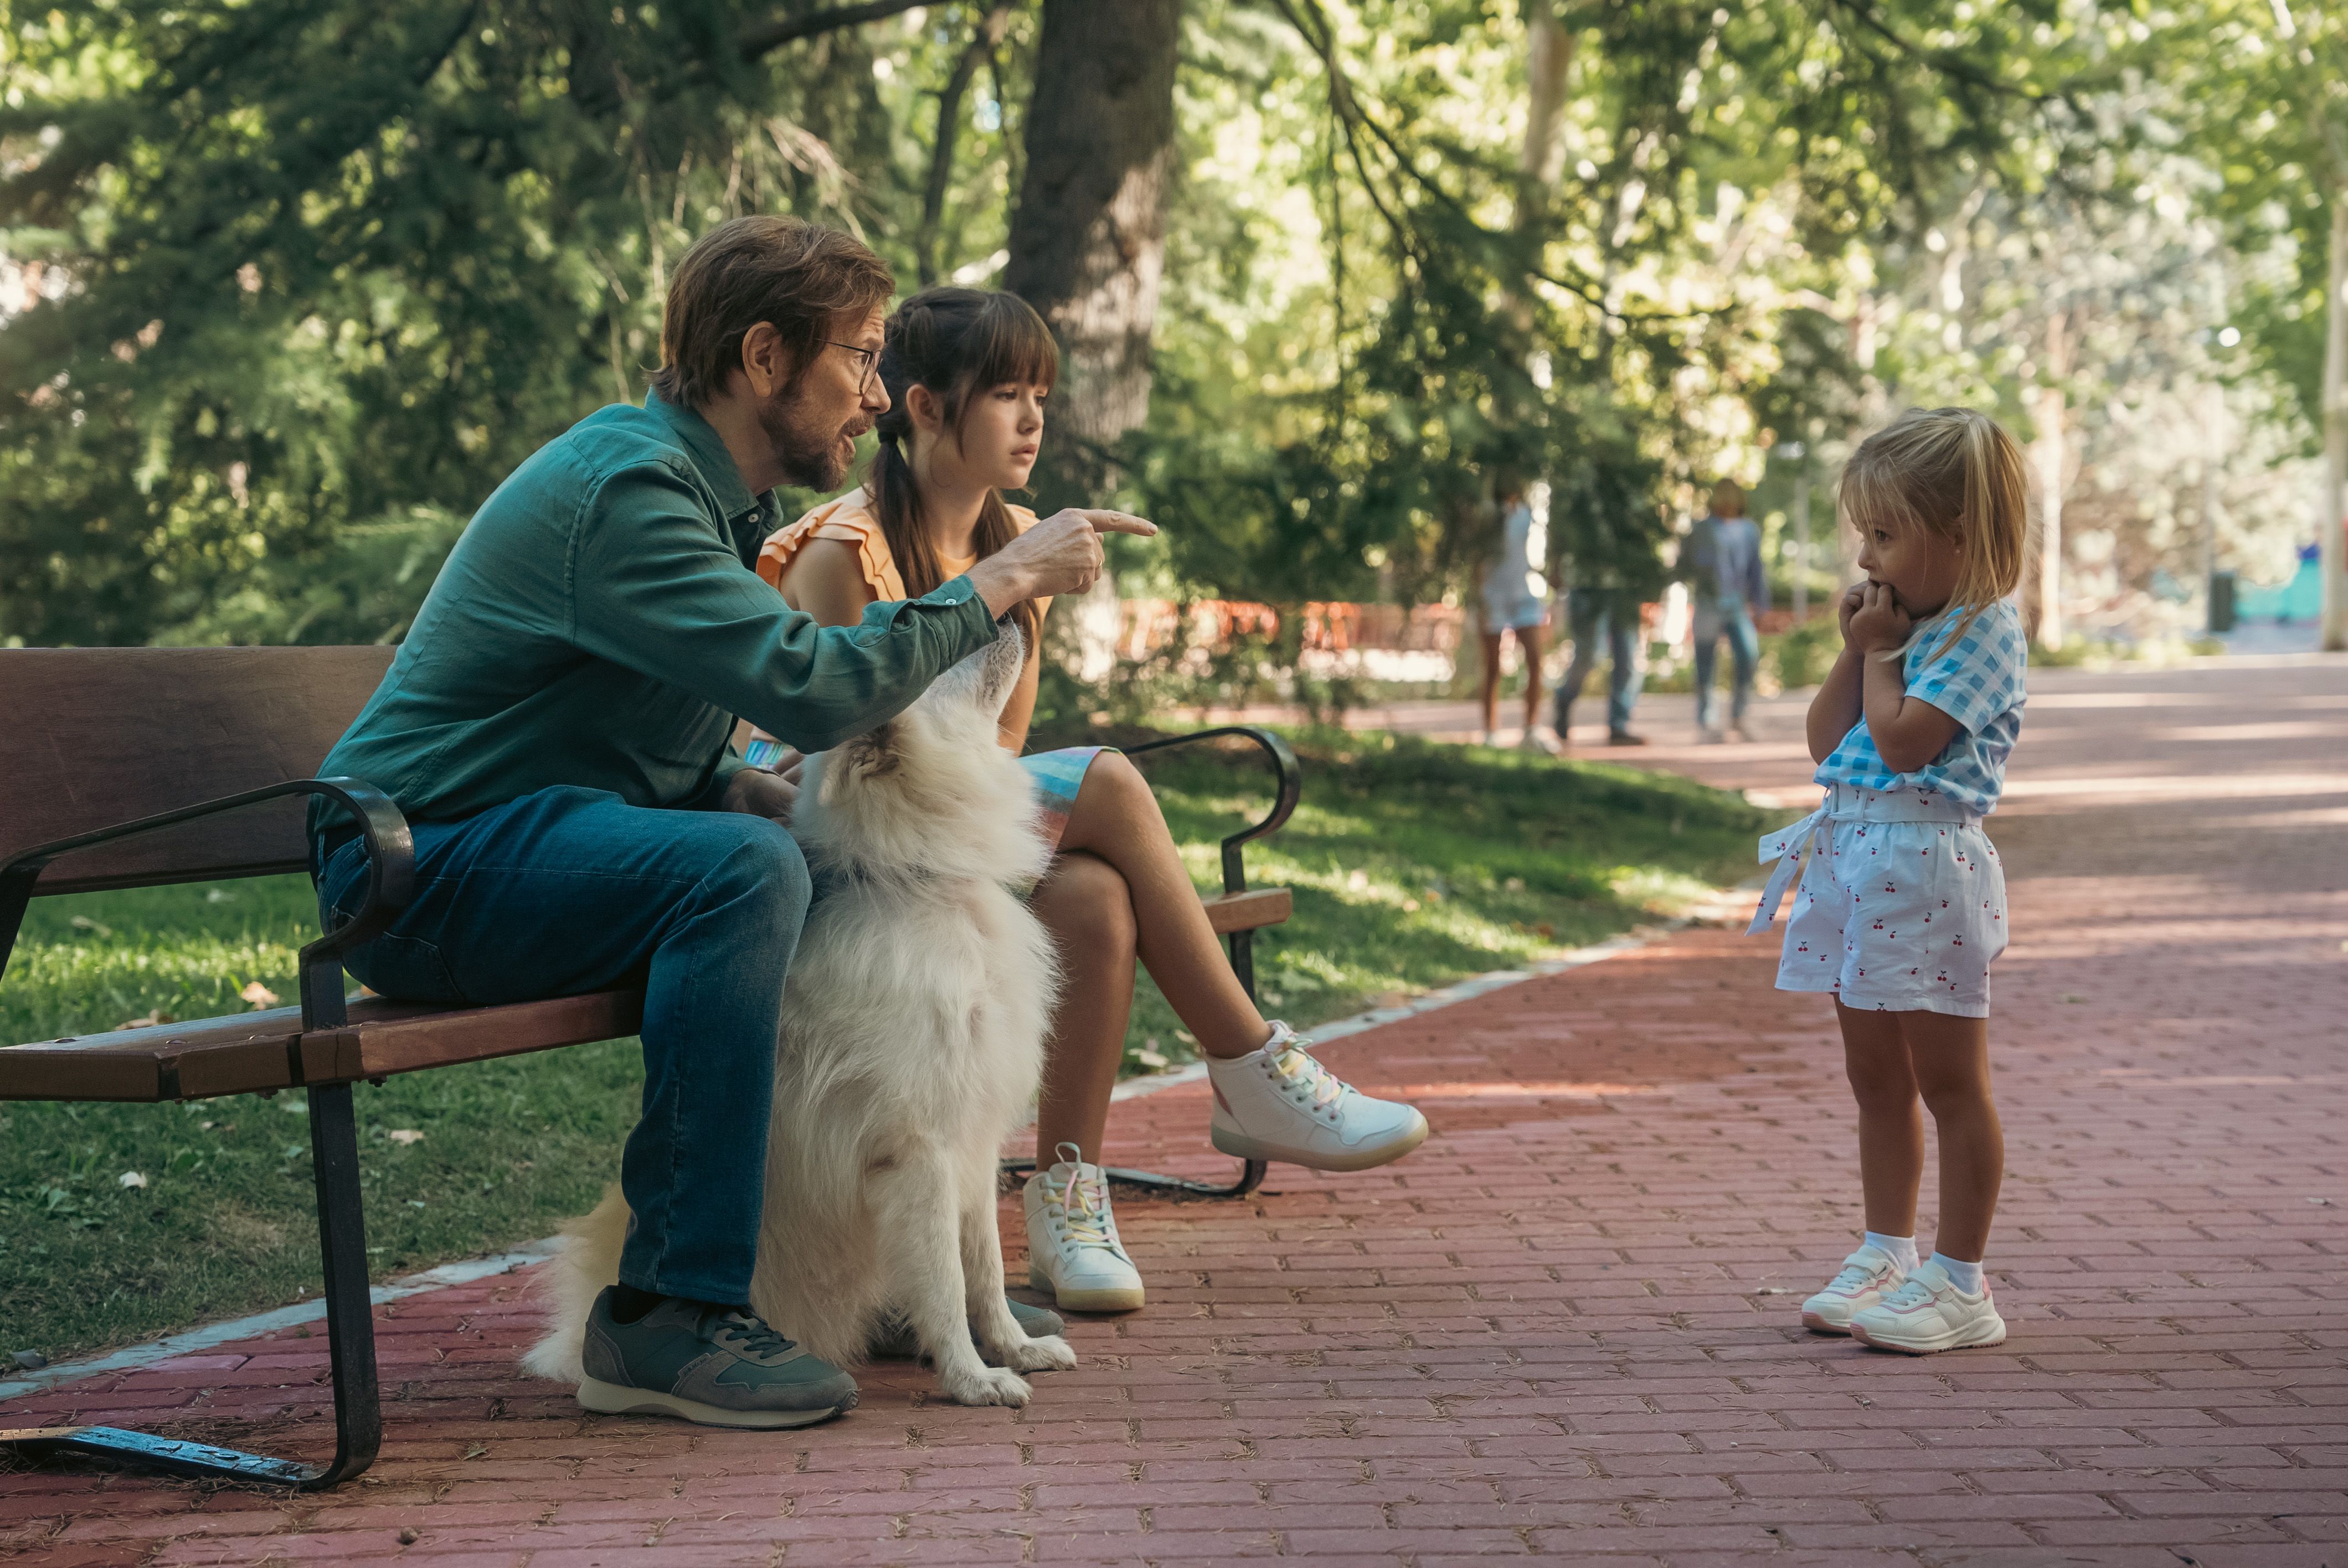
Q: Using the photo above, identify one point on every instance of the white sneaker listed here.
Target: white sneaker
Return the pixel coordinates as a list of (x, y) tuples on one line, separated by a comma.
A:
[(1929, 1313), (1866, 1276), (1277, 1102), (1542, 738), (1489, 738), (1072, 1247)]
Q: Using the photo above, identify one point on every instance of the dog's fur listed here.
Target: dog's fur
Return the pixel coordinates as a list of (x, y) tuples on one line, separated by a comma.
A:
[(912, 1038)]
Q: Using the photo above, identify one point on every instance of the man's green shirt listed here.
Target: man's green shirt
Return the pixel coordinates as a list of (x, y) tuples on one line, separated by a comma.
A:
[(599, 624)]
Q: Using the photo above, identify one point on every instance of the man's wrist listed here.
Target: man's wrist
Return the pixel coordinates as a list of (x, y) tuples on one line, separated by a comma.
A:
[(1001, 584)]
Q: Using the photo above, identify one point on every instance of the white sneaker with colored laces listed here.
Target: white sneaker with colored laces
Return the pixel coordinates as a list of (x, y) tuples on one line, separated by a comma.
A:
[(1277, 1102), (1866, 1276), (1929, 1313), (1072, 1247)]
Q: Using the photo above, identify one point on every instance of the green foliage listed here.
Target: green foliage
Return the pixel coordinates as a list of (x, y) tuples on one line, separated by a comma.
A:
[(2262, 95), (1469, 317), (306, 266), (306, 278)]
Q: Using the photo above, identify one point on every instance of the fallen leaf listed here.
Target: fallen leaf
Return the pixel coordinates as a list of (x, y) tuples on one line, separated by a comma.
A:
[(131, 1179), (84, 923), (1149, 1059), (259, 995), (149, 1021), (405, 1135)]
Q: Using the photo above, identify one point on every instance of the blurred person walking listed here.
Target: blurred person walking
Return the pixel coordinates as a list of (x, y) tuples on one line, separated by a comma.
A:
[(1510, 605), (1728, 586)]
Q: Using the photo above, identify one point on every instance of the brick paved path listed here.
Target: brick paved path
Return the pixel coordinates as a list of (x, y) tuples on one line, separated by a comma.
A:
[(1565, 1329)]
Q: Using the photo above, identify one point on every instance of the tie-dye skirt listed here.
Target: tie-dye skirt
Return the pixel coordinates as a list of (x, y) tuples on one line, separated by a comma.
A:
[(1058, 776)]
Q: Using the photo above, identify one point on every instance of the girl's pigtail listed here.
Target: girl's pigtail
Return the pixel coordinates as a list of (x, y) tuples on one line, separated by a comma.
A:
[(955, 342)]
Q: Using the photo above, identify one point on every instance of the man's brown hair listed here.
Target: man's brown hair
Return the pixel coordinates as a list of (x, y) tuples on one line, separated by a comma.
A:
[(800, 277)]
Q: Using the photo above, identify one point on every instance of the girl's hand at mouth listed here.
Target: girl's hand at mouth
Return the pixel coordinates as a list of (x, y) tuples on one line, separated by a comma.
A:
[(1852, 597), (1878, 624)]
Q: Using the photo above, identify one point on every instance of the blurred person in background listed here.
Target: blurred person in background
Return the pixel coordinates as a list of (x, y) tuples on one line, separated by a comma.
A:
[(1512, 606), (1727, 586)]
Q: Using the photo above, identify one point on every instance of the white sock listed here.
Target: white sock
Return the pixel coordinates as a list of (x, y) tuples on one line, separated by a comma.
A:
[(1965, 1276), (1902, 1249)]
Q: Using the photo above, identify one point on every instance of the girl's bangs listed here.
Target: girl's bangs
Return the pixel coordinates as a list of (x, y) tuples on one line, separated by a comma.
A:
[(1871, 494), (1013, 345)]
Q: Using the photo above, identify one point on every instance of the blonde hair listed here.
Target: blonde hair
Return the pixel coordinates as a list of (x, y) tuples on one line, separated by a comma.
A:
[(1955, 473)]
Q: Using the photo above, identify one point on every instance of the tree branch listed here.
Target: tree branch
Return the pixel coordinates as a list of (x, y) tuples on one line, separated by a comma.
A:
[(766, 36), (984, 39)]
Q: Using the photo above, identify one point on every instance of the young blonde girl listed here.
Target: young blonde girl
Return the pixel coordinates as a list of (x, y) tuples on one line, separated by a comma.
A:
[(1900, 904), (967, 373)]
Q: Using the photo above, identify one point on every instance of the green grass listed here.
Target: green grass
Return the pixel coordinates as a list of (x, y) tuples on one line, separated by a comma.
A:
[(1412, 865)]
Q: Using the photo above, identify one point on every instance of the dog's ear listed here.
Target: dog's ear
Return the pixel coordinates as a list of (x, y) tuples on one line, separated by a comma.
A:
[(867, 755)]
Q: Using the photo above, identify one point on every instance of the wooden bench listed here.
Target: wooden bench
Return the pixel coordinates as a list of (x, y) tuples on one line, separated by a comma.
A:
[(139, 767)]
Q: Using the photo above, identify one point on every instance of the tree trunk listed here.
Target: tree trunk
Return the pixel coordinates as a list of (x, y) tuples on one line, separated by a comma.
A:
[(1089, 241), (2047, 456), (1549, 56), (2334, 513)]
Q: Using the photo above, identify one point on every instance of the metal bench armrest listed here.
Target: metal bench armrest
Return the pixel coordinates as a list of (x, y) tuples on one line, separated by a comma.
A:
[(1288, 787), (391, 878)]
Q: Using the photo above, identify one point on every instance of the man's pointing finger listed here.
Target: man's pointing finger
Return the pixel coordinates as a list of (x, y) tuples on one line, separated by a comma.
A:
[(1120, 523)]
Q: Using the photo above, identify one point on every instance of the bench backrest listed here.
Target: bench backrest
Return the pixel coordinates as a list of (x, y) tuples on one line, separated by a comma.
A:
[(90, 737)]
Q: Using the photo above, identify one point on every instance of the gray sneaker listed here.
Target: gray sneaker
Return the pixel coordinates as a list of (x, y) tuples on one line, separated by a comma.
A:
[(719, 1368), (895, 1341)]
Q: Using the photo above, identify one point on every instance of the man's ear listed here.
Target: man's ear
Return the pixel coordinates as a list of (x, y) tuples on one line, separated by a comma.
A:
[(766, 363)]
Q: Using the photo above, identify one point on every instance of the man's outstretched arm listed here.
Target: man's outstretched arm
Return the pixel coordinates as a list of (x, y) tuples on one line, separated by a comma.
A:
[(653, 587)]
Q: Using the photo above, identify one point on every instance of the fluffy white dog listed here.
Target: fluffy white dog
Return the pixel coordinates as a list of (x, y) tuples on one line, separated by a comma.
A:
[(913, 1037)]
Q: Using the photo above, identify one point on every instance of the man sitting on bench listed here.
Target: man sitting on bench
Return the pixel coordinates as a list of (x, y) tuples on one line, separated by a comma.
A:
[(555, 728)]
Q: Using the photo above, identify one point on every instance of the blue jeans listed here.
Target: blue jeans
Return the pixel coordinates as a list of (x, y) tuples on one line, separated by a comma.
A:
[(571, 891), (1590, 613), (1734, 620)]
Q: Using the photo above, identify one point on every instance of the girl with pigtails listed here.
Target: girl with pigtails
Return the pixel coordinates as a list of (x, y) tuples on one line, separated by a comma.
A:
[(968, 374)]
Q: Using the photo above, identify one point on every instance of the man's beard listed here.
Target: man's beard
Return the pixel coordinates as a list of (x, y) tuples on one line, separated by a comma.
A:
[(809, 457)]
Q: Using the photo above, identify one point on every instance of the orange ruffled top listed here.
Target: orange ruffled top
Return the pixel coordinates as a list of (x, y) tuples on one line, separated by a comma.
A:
[(850, 519)]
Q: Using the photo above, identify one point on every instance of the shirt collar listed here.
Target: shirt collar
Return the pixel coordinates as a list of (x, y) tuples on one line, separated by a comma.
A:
[(707, 450)]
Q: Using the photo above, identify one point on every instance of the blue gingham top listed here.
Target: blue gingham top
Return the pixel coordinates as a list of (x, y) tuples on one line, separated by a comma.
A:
[(1978, 682)]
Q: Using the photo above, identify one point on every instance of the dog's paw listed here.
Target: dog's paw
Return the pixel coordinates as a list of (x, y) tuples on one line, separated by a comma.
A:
[(983, 1386), (1045, 1353)]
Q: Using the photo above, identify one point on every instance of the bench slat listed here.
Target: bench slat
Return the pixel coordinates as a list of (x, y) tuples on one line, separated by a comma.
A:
[(1249, 911), (249, 1052)]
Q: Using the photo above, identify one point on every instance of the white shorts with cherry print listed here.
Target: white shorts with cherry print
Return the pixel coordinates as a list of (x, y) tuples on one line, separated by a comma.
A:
[(1901, 905)]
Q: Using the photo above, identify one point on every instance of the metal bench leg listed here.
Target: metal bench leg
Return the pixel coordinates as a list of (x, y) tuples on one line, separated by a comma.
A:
[(1252, 1171), (350, 1342)]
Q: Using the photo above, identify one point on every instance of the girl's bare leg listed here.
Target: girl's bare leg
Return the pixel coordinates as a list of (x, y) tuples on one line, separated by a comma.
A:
[(1084, 903), (1951, 1062), (1116, 819), (1528, 643), (1491, 698), (1890, 1117)]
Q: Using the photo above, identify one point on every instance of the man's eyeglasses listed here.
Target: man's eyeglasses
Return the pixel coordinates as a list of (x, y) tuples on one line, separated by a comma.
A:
[(870, 356)]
